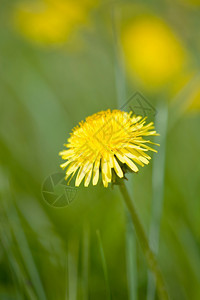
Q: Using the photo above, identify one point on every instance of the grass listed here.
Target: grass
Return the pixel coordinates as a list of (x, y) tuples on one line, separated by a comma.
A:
[(49, 253)]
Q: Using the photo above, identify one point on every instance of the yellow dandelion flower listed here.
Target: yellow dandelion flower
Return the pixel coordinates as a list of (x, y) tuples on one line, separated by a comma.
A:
[(110, 143), (152, 51), (49, 22)]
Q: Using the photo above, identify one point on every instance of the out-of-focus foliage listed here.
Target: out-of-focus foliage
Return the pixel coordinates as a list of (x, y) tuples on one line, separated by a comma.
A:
[(194, 100), (49, 253)]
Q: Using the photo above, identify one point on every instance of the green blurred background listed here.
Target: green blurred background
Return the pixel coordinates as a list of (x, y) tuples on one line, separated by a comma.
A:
[(60, 62)]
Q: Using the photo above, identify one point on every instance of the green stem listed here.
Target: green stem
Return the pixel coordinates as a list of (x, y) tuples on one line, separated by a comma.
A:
[(150, 257)]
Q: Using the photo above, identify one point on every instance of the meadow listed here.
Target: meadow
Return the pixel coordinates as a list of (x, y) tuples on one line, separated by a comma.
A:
[(60, 62)]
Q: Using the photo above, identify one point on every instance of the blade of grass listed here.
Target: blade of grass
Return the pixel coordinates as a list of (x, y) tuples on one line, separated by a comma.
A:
[(17, 271), (158, 181), (48, 237), (179, 104), (50, 242), (85, 259), (24, 249), (18, 275), (105, 270), (73, 269), (67, 279)]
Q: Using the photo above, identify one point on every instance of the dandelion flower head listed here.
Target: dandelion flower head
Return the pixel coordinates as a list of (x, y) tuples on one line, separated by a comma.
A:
[(109, 143), (153, 52), (50, 22)]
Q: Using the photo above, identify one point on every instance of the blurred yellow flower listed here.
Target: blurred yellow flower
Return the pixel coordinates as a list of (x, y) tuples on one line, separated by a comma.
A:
[(50, 21), (110, 142), (152, 51)]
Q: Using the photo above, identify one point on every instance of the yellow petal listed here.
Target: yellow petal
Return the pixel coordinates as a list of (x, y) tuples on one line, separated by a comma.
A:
[(66, 153), (105, 169), (138, 157), (96, 171), (117, 168), (88, 177), (110, 159), (121, 157), (144, 160), (81, 173), (134, 157), (104, 179), (73, 167), (65, 164), (131, 164)]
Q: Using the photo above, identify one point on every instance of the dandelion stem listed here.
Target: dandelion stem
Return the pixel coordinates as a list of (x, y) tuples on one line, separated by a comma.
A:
[(150, 257)]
